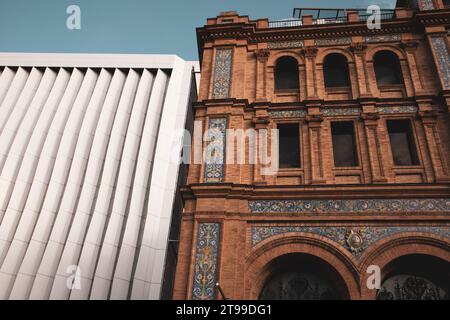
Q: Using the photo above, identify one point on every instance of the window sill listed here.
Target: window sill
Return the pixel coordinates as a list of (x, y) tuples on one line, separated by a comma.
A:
[(337, 89), (287, 92)]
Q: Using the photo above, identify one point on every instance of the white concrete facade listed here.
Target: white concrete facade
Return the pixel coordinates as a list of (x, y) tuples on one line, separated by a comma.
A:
[(87, 177)]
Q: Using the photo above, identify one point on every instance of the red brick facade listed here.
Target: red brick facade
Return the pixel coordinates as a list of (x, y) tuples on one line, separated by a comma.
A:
[(402, 210)]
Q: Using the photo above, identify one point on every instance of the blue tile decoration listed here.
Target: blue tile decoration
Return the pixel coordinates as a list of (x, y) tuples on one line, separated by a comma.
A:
[(425, 4), (402, 109), (206, 258), (340, 111), (349, 206), (222, 74), (285, 44), (333, 41), (215, 150), (288, 114), (383, 38), (443, 59), (341, 234)]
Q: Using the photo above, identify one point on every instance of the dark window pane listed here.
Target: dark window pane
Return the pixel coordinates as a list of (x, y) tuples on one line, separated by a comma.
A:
[(387, 68), (289, 145), (335, 70), (344, 148), (402, 143), (286, 74)]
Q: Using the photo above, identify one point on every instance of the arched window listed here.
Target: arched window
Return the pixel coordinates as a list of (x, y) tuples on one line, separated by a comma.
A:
[(387, 68), (335, 71), (286, 74)]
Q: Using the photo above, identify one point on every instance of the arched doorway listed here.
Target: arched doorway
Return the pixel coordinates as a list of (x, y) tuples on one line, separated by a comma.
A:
[(302, 277), (416, 277)]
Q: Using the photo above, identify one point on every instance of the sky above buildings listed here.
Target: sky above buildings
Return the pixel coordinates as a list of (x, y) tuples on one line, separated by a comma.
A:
[(133, 26)]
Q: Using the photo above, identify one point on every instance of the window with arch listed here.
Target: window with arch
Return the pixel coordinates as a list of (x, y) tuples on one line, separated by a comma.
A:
[(335, 71), (286, 74), (387, 68)]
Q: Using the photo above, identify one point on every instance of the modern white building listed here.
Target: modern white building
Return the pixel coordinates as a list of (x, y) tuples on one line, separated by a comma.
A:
[(88, 181)]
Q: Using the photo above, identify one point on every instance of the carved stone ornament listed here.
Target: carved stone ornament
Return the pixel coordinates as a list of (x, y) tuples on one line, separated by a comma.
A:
[(355, 240)]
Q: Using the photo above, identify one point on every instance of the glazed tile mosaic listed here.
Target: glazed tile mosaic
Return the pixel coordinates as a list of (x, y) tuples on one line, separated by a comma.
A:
[(383, 38), (360, 205), (222, 73), (333, 42), (442, 55), (206, 257), (403, 109), (425, 4), (341, 111), (215, 150), (354, 239), (288, 114), (285, 44)]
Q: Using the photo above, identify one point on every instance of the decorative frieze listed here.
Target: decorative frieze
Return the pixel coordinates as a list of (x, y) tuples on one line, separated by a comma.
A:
[(383, 38), (206, 259), (287, 114), (215, 150), (285, 44), (333, 41), (401, 109), (222, 73), (340, 111), (443, 59), (349, 206), (356, 240)]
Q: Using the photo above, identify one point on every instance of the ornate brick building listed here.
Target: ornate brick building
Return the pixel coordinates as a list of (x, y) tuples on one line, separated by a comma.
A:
[(363, 156)]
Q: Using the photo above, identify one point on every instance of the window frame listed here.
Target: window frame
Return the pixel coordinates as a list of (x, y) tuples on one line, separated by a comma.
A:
[(355, 145), (300, 147), (415, 140)]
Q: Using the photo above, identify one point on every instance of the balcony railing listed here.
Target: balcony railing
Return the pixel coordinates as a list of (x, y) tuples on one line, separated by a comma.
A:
[(326, 16)]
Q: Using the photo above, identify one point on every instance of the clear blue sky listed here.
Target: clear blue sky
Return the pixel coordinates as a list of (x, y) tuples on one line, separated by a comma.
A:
[(133, 26)]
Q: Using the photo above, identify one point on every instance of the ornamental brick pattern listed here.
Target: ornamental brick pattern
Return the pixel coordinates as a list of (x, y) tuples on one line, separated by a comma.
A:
[(375, 212)]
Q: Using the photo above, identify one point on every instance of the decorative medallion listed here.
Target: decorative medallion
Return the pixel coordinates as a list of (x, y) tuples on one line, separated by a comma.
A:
[(222, 73), (355, 240), (206, 258), (333, 42), (215, 150), (285, 44), (443, 59), (288, 114), (345, 206), (383, 38)]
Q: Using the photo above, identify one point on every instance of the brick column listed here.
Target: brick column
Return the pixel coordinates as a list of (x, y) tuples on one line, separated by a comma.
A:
[(359, 50), (314, 122), (410, 48), (310, 62), (435, 148), (370, 120), (262, 56)]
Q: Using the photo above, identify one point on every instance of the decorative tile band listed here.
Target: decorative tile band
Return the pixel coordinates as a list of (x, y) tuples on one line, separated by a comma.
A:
[(443, 59), (206, 258), (222, 73), (425, 4), (333, 42), (285, 44), (383, 38), (359, 205), (288, 114), (403, 109), (354, 239), (215, 150), (341, 111)]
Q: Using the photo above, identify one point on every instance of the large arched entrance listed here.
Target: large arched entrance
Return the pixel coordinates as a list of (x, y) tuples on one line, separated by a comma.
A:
[(300, 276), (416, 277)]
